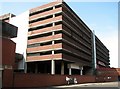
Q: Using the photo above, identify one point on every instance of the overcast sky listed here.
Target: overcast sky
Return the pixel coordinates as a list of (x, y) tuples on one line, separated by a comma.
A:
[(99, 16)]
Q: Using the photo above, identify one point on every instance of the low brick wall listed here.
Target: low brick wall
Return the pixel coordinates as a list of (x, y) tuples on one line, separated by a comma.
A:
[(107, 74), (106, 78), (38, 80), (84, 78), (7, 78), (43, 80)]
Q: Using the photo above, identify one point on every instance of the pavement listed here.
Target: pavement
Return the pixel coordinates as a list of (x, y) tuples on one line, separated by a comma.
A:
[(106, 85)]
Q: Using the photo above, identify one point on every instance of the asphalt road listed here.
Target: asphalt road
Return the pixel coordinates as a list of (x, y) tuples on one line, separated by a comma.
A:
[(108, 85)]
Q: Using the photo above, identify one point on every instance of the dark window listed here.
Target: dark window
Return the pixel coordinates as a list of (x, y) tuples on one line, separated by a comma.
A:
[(58, 14), (40, 27), (58, 32), (33, 45), (58, 23), (57, 6), (40, 35), (46, 53), (33, 54), (46, 43), (39, 53), (58, 41), (41, 19), (57, 51), (47, 9)]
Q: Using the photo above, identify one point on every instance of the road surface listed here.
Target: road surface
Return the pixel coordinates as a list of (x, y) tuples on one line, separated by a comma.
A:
[(108, 85)]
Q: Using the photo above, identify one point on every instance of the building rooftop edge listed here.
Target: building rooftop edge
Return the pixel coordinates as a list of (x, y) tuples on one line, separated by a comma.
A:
[(7, 15)]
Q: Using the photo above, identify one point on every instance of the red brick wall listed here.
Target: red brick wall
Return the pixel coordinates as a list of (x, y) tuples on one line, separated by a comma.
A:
[(8, 51), (8, 78), (8, 60), (41, 80), (84, 78), (106, 78), (38, 80), (107, 74)]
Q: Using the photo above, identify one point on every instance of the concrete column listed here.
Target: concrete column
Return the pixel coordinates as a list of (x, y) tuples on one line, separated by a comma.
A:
[(52, 61), (53, 33), (0, 78), (25, 67), (70, 71), (81, 70), (53, 16), (62, 68), (52, 66)]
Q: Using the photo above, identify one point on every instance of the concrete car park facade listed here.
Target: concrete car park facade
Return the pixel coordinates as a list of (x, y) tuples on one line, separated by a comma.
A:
[(59, 42)]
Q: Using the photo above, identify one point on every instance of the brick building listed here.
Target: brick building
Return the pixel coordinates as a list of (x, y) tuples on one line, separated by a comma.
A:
[(58, 42), (7, 48)]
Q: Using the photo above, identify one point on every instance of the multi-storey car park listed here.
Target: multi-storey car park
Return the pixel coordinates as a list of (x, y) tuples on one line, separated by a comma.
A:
[(59, 42)]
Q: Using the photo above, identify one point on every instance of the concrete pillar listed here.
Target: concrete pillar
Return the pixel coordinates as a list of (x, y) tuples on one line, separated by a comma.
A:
[(52, 61), (81, 70), (25, 67), (70, 71), (62, 68), (53, 33), (52, 66), (0, 78), (53, 16)]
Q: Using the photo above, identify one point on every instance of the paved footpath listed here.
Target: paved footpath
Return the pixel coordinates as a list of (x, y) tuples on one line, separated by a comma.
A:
[(107, 85)]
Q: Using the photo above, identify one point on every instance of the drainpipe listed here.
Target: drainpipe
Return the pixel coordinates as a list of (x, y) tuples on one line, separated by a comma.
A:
[(94, 53)]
